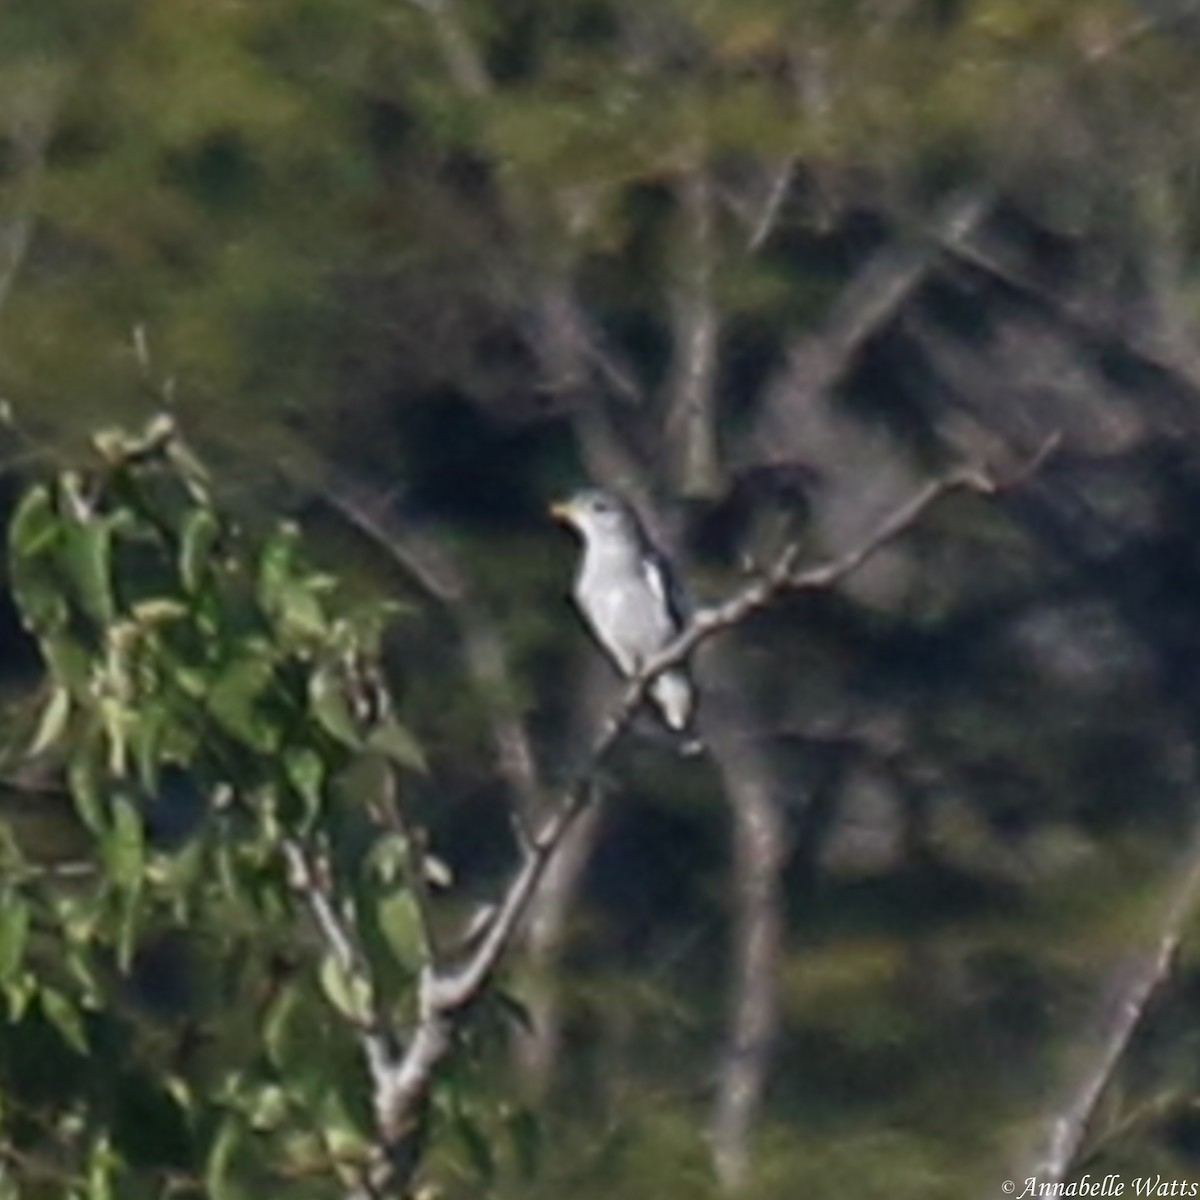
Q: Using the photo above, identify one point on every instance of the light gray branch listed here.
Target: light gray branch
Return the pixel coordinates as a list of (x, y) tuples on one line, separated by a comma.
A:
[(337, 932), (403, 1078), (1134, 986), (772, 205), (874, 296), (691, 425), (464, 64), (784, 575)]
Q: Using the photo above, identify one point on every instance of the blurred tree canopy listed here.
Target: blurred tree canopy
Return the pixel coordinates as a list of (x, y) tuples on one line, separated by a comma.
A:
[(402, 269)]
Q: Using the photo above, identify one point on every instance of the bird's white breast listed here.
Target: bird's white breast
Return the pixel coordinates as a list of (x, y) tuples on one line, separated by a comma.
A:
[(626, 614)]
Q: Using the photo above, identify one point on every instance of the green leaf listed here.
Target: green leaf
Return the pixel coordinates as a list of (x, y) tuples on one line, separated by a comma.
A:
[(345, 1119), (14, 935), (87, 557), (306, 774), (78, 963), (19, 995), (158, 610), (147, 742), (299, 1039), (123, 845), (267, 1108), (398, 744), (234, 698), (300, 616), (399, 921), (85, 775), (365, 624), (77, 916), (70, 664), (348, 992), (276, 567), (283, 1028), (200, 532), (388, 857), (226, 1176), (53, 722), (328, 703), (35, 533), (62, 1013), (129, 910), (35, 526), (100, 1169), (288, 596), (118, 721)]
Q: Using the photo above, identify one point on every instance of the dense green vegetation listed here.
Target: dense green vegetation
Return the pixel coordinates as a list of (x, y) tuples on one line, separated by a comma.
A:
[(403, 270)]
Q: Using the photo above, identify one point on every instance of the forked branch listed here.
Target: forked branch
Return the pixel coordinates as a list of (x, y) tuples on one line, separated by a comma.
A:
[(447, 990)]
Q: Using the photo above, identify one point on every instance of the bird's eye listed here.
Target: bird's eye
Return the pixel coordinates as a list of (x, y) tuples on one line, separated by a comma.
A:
[(601, 506)]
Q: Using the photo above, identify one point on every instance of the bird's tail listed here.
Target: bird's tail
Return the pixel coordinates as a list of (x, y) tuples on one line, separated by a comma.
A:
[(672, 692)]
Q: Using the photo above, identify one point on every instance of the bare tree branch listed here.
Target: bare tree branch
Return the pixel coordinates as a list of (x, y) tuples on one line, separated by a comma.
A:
[(543, 940), (616, 372), (785, 576), (1133, 987), (691, 422), (875, 295), (548, 920), (463, 984), (1101, 49), (1085, 326), (463, 61), (772, 205), (340, 939), (798, 414), (403, 1077)]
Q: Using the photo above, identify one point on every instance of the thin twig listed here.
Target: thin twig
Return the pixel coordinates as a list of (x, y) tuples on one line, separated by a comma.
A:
[(783, 575), (415, 859), (1136, 31), (768, 217), (338, 937), (463, 61)]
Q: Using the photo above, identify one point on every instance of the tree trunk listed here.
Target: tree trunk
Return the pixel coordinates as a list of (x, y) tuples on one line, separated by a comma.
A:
[(760, 847)]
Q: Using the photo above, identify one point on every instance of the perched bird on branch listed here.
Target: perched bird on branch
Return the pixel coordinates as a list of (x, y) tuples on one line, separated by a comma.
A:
[(629, 597)]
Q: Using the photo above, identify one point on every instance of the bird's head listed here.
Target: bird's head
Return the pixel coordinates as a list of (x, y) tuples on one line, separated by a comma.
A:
[(596, 514)]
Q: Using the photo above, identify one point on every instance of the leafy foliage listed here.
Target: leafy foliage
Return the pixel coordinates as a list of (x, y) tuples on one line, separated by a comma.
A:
[(208, 699)]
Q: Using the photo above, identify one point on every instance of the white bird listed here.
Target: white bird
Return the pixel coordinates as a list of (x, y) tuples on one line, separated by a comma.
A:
[(627, 593)]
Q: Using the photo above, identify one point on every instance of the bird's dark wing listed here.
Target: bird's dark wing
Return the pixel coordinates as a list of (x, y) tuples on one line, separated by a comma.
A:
[(664, 583)]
